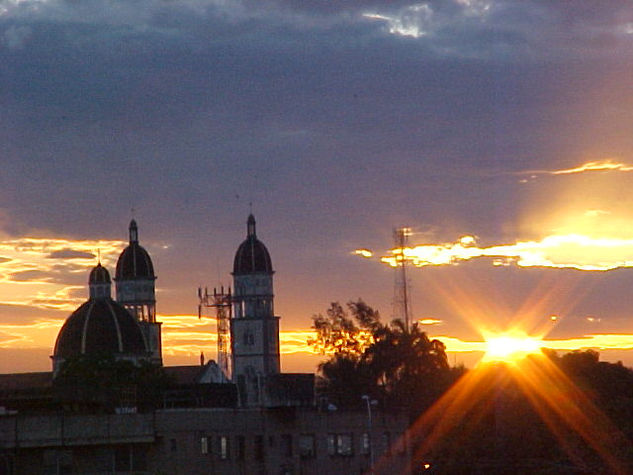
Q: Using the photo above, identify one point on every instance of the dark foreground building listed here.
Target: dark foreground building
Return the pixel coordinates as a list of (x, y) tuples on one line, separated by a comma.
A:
[(203, 419), (201, 441)]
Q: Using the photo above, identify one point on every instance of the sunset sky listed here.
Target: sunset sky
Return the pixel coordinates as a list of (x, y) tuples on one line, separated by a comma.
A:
[(500, 132)]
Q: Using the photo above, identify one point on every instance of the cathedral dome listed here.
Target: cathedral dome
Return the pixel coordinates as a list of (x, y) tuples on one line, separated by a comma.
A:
[(134, 262), (252, 256), (100, 326), (99, 275)]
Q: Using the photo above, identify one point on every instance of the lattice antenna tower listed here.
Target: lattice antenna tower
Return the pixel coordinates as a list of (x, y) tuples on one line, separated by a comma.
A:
[(401, 294), (222, 303)]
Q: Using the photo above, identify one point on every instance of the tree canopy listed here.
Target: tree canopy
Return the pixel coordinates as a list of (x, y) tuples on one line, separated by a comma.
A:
[(89, 381), (396, 365)]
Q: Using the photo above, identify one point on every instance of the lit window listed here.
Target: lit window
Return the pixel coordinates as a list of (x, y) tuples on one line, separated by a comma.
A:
[(223, 442), (331, 444), (340, 444), (344, 445), (204, 445), (364, 443)]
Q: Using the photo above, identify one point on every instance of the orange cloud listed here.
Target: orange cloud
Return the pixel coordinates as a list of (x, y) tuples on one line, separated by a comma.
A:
[(47, 273), (429, 321), (560, 251), (599, 165)]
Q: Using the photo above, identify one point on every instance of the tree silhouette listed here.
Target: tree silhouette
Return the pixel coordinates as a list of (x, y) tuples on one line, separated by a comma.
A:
[(410, 368), (101, 382), (397, 366)]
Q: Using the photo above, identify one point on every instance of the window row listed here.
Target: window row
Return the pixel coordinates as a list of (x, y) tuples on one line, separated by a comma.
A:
[(338, 444)]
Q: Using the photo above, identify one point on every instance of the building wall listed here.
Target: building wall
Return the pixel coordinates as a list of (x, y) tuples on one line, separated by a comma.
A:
[(204, 441)]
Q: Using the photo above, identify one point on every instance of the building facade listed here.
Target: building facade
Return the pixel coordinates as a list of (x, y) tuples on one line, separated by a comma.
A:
[(204, 441)]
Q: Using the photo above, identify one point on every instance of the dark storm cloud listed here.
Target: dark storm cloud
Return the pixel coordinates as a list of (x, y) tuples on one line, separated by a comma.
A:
[(70, 254), (235, 94)]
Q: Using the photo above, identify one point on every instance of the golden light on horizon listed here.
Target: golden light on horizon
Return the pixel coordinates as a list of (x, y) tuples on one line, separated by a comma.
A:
[(561, 405), (510, 347)]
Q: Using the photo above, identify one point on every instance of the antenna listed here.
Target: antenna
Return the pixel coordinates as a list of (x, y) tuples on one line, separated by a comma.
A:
[(222, 302), (401, 297)]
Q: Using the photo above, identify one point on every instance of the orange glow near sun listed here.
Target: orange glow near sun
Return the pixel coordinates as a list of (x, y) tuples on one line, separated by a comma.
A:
[(510, 347), (512, 343)]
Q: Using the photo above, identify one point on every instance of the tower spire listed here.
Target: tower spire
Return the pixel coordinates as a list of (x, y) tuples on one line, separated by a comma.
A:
[(250, 226), (133, 232)]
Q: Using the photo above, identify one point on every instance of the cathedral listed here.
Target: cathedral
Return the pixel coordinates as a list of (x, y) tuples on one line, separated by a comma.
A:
[(255, 420), (126, 328)]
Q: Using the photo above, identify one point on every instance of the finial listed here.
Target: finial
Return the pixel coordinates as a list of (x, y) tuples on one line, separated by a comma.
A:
[(133, 232), (250, 225), (99, 256)]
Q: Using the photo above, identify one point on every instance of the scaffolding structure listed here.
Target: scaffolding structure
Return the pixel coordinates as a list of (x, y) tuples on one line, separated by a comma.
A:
[(401, 297), (222, 302)]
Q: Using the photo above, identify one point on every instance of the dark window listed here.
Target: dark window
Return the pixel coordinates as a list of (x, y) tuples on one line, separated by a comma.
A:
[(122, 459), (259, 447), (401, 445), (306, 446), (240, 447), (286, 445), (386, 442), (139, 458)]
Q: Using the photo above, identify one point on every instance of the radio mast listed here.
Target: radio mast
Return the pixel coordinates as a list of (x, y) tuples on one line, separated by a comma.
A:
[(222, 302), (401, 297)]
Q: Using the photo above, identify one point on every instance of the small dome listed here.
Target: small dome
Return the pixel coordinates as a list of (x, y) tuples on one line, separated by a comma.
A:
[(100, 326), (99, 275), (252, 256), (134, 262)]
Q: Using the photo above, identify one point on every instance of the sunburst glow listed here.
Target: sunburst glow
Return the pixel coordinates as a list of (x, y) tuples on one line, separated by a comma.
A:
[(510, 347), (514, 364)]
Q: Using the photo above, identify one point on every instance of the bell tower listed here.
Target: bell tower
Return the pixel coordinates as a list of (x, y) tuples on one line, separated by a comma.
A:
[(254, 326), (135, 290)]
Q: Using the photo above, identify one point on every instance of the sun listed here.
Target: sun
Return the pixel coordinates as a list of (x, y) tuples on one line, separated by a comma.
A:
[(510, 347)]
